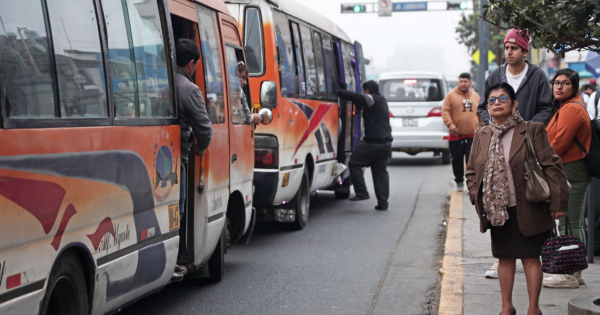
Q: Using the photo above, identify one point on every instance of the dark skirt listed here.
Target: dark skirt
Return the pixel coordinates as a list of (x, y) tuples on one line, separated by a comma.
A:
[(509, 242)]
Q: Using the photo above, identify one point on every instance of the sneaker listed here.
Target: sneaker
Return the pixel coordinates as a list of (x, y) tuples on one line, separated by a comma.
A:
[(492, 273), (460, 186), (561, 281), (579, 278)]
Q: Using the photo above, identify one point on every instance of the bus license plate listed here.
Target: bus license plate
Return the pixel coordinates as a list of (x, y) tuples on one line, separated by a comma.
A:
[(410, 122)]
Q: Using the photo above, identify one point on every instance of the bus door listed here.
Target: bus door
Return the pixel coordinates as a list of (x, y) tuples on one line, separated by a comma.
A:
[(241, 141), (347, 110), (211, 173), (361, 77)]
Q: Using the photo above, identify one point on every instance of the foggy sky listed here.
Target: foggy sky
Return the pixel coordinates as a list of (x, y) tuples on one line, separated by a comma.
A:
[(418, 41)]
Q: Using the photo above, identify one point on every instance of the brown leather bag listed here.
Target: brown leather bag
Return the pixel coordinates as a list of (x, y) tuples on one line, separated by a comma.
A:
[(536, 184)]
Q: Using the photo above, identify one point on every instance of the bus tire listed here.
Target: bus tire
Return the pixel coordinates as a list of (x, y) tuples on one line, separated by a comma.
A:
[(66, 291), (446, 157), (216, 262), (301, 203), (342, 194)]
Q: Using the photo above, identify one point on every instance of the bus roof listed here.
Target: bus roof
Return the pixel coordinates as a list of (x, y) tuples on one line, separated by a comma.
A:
[(181, 7), (300, 11)]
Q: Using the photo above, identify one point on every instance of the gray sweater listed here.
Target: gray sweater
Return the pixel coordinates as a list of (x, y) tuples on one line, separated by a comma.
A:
[(534, 94), (192, 113)]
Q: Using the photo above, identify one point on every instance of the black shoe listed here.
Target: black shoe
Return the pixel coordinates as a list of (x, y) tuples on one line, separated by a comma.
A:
[(176, 277), (359, 198), (180, 269), (381, 208)]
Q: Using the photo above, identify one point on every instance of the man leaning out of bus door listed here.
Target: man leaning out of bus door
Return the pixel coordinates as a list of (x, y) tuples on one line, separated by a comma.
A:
[(376, 147), (193, 117)]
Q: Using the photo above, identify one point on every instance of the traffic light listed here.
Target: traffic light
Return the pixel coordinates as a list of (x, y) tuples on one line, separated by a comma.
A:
[(456, 5), (354, 8)]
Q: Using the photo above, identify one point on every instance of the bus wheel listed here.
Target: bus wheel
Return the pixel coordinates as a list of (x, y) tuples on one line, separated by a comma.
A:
[(216, 262), (301, 203), (66, 293)]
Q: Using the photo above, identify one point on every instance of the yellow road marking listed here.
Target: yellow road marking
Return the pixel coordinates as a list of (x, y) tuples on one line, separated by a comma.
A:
[(451, 296)]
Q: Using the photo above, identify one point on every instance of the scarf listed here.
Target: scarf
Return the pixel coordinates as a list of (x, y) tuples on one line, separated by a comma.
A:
[(495, 180)]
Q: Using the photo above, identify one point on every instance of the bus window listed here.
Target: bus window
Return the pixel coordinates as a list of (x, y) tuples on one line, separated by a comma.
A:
[(253, 40), (287, 75), (330, 70), (235, 87), (312, 86), (213, 77), (320, 65), (299, 60), (361, 63), (348, 56), (139, 72), (78, 56), (25, 64)]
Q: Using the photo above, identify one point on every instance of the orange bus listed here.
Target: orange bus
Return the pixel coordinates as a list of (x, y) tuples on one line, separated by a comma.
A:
[(90, 155), (297, 59)]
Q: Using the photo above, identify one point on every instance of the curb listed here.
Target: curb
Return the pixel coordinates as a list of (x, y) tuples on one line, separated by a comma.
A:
[(451, 294)]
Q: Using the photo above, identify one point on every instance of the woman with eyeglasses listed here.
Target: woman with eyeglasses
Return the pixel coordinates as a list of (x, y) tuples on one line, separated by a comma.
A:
[(496, 182), (569, 132)]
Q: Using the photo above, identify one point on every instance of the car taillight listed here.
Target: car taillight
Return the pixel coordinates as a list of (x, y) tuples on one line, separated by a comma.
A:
[(265, 157), (436, 112)]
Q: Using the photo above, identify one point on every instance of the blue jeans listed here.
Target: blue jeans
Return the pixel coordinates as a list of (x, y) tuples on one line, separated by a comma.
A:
[(182, 189)]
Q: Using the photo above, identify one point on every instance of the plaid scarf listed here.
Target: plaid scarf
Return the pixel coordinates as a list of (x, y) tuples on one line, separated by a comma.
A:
[(495, 180)]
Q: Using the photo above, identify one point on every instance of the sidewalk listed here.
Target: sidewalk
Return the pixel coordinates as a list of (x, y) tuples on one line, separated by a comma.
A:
[(467, 257)]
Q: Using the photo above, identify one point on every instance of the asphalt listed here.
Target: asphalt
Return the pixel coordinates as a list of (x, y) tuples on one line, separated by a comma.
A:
[(350, 259)]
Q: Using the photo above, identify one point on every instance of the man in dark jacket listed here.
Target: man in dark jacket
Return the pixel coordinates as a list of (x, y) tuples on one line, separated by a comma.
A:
[(193, 117), (191, 109), (376, 147), (528, 80)]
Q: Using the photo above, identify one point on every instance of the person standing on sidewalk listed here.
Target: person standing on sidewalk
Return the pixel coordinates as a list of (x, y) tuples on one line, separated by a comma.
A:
[(462, 122), (529, 82), (570, 124), (496, 183), (376, 147)]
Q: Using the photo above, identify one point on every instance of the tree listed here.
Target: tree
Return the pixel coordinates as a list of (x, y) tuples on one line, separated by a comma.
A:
[(557, 25), (468, 35)]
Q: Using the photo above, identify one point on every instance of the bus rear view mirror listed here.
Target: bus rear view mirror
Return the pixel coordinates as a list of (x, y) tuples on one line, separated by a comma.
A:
[(268, 94)]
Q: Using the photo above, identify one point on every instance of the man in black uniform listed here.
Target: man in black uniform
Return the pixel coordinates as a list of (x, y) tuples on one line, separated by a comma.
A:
[(376, 147)]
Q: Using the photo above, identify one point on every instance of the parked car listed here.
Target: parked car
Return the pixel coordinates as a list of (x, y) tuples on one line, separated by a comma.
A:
[(415, 100)]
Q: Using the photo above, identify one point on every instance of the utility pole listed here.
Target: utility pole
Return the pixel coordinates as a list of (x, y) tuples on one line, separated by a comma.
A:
[(484, 46)]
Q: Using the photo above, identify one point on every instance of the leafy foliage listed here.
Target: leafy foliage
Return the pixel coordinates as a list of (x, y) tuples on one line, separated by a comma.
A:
[(557, 25), (468, 35)]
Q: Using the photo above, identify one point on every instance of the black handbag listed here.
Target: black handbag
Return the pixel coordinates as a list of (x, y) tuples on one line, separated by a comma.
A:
[(563, 254)]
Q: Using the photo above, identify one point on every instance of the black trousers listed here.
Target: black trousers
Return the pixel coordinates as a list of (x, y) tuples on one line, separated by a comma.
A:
[(375, 156), (460, 150)]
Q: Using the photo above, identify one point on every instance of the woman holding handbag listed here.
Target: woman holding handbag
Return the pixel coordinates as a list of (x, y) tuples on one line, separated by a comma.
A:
[(500, 190), (570, 124)]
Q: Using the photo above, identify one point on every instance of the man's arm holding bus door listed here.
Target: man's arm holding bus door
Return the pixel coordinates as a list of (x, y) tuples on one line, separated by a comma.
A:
[(360, 100)]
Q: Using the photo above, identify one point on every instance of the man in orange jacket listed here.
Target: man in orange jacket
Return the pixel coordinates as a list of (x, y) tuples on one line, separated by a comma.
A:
[(463, 122)]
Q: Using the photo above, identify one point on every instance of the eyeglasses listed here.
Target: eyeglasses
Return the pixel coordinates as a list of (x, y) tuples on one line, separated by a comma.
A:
[(564, 83), (502, 99)]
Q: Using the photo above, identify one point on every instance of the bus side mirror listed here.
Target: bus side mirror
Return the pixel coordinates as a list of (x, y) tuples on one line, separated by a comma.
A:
[(268, 94)]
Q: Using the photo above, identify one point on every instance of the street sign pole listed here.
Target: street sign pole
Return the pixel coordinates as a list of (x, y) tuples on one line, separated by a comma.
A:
[(484, 45)]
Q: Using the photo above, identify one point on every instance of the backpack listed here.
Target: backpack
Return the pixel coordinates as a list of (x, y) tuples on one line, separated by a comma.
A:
[(592, 158)]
